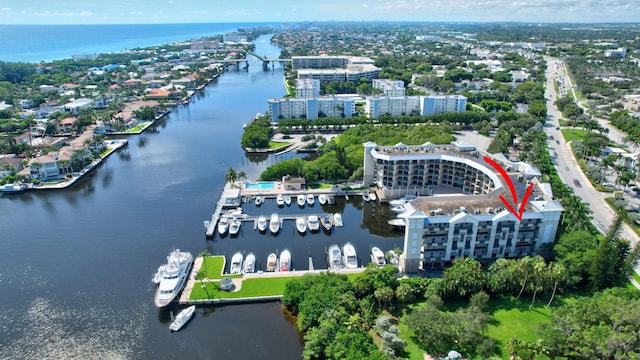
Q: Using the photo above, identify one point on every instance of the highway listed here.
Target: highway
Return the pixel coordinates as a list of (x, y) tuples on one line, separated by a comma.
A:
[(566, 164)]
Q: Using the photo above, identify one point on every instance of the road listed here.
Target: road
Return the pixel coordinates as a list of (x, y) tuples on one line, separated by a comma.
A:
[(566, 164)]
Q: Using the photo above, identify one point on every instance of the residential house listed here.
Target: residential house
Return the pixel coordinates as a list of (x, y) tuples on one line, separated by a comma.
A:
[(66, 125), (75, 105), (9, 165)]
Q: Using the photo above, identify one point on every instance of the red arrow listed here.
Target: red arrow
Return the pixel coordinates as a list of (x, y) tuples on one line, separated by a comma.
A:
[(512, 188)]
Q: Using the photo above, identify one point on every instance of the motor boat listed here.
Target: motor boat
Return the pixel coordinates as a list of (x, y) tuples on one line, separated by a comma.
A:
[(173, 278), (182, 319), (310, 199), (350, 257), (274, 223), (262, 224), (373, 196), (334, 256), (280, 200), (259, 200), (249, 265), (313, 223), (234, 226), (301, 200), (325, 221), (398, 209), (158, 275), (13, 188), (366, 197), (403, 200), (272, 262), (287, 200), (285, 260), (393, 257), (377, 256), (399, 223), (337, 219), (236, 263), (301, 225), (322, 199), (223, 225)]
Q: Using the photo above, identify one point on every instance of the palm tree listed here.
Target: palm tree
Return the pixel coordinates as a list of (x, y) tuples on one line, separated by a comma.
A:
[(204, 255), (241, 175), (557, 273), (231, 176)]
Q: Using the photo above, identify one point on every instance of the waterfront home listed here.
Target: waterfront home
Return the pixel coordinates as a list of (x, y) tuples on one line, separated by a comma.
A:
[(66, 125), (75, 105), (10, 165)]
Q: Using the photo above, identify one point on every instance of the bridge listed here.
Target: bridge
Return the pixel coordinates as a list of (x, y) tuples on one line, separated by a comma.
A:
[(266, 60)]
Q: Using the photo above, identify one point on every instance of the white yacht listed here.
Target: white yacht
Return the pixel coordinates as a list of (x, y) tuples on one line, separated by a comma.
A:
[(366, 197), (337, 219), (300, 200), (182, 318), (223, 225), (285, 260), (13, 188), (234, 227), (310, 199), (274, 223), (249, 265), (322, 199), (301, 225), (313, 223), (377, 256), (325, 221), (373, 196), (280, 200), (334, 256), (272, 262), (398, 209), (287, 200), (236, 263), (350, 257), (259, 200), (174, 277), (403, 200), (262, 224)]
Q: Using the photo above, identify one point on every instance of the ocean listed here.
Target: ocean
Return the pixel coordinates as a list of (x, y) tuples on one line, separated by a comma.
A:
[(36, 43)]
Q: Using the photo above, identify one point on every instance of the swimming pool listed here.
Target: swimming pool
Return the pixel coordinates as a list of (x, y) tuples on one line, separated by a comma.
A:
[(262, 185)]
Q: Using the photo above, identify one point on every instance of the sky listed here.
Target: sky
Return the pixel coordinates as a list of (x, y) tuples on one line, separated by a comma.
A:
[(212, 11)]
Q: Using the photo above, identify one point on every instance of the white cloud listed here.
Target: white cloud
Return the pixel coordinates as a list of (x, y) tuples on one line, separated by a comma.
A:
[(6, 9)]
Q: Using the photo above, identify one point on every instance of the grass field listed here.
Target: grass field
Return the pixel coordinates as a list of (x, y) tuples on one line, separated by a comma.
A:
[(509, 317), (277, 144), (250, 288), (573, 134)]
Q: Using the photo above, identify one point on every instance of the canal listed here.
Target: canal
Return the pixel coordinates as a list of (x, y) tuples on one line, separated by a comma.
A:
[(77, 263)]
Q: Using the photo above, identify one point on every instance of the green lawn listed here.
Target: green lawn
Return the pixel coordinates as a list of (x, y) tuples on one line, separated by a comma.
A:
[(321, 186), (136, 128), (573, 134), (213, 267), (277, 144), (250, 288)]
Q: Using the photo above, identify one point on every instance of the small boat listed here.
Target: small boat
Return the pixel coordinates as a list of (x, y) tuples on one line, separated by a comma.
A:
[(158, 275), (331, 200), (274, 223), (400, 223), (174, 277), (249, 265), (272, 262), (346, 196), (280, 200), (236, 263), (234, 227), (223, 225), (182, 319), (366, 197), (398, 209), (393, 257), (13, 188), (300, 200), (313, 223), (262, 224), (285, 260), (377, 256), (350, 257), (403, 200), (301, 225), (287, 200), (322, 199), (259, 200), (334, 256), (310, 199), (373, 196), (325, 221), (337, 219)]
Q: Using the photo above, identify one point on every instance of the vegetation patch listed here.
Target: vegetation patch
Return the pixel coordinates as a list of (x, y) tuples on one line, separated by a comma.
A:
[(573, 134), (250, 288), (277, 144)]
